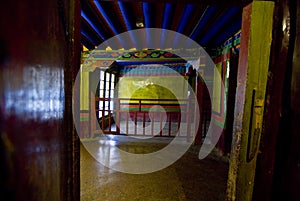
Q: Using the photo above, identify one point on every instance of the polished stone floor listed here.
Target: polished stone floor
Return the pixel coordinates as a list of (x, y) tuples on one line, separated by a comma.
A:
[(188, 179)]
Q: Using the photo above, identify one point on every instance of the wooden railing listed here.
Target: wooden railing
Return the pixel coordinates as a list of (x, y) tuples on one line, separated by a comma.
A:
[(143, 117)]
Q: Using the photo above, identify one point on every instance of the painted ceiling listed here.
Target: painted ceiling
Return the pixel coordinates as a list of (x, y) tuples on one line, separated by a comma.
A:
[(209, 23)]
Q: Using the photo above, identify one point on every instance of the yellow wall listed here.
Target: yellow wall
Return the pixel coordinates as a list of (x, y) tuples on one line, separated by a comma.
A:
[(155, 87)]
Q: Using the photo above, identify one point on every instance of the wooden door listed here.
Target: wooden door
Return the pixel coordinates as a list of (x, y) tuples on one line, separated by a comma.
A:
[(38, 62)]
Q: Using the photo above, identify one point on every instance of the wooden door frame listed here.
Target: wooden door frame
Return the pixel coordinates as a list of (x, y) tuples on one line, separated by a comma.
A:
[(275, 116)]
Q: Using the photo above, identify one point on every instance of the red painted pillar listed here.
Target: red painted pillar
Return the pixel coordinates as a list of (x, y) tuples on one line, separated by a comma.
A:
[(37, 68), (199, 95)]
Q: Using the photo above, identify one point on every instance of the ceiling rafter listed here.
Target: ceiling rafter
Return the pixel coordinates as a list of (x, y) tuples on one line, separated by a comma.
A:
[(96, 19), (198, 10), (86, 42), (138, 13), (126, 15), (203, 21), (99, 8), (239, 3), (219, 23), (159, 14), (178, 12), (91, 31), (168, 15)]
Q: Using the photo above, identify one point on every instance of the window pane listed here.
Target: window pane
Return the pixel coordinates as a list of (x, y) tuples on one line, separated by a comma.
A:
[(101, 93), (100, 105), (101, 84), (101, 75), (111, 85), (111, 105), (112, 78)]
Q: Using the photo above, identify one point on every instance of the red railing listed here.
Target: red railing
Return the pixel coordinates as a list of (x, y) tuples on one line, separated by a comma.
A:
[(143, 117)]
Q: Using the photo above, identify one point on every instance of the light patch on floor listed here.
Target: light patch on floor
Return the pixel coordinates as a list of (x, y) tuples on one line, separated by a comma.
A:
[(187, 179)]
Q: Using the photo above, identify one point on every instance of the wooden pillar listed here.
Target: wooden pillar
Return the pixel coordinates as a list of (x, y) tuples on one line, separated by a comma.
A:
[(250, 97), (71, 68), (231, 100), (38, 62), (287, 161), (199, 94), (118, 115)]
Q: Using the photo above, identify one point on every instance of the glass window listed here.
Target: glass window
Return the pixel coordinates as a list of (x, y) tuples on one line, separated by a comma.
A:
[(106, 90)]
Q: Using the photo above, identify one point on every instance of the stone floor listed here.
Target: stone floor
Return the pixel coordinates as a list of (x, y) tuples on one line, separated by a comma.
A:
[(188, 179)]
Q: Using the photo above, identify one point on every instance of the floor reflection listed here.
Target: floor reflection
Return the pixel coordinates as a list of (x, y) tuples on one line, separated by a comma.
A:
[(187, 179)]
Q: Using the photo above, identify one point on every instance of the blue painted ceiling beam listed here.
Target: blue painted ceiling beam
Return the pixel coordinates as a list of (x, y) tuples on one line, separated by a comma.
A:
[(168, 14), (122, 44), (125, 15), (100, 34), (208, 13), (230, 30), (147, 15), (128, 23), (90, 39), (148, 21), (218, 25), (166, 23), (106, 17), (187, 13)]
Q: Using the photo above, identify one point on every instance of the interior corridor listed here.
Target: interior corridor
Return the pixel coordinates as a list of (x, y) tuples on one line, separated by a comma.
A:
[(60, 66), (187, 179)]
